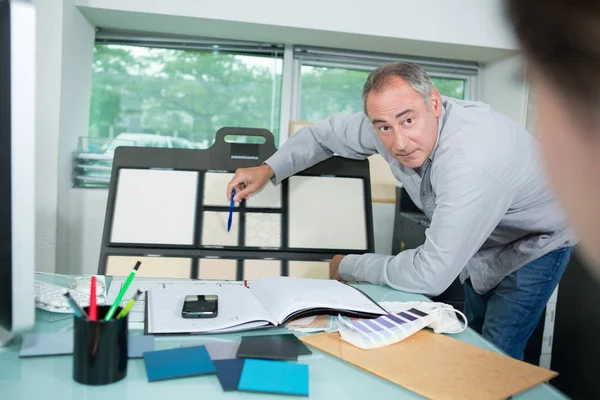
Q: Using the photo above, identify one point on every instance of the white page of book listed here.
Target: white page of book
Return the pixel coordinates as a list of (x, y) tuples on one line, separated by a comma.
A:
[(237, 308), (155, 207), (327, 213), (282, 296)]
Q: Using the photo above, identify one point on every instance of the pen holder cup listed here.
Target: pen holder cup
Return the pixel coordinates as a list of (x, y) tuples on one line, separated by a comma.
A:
[(100, 348)]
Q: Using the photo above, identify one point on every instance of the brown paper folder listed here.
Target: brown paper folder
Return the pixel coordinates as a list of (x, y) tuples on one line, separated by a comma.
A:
[(438, 367)]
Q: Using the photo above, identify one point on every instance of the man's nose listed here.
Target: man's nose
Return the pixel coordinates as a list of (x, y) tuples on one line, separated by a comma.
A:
[(400, 142)]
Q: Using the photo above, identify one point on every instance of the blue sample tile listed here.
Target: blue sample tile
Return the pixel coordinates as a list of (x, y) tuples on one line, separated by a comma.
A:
[(274, 377), (229, 372), (178, 363)]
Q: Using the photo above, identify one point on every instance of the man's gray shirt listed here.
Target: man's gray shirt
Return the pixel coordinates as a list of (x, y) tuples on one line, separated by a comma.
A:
[(483, 188)]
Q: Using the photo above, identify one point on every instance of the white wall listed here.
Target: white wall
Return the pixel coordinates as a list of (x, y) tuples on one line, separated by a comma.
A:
[(72, 219), (48, 77), (466, 29), (501, 84), (78, 44), (65, 46)]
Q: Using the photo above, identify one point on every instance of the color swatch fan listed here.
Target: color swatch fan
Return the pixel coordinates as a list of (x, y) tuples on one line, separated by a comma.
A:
[(384, 330)]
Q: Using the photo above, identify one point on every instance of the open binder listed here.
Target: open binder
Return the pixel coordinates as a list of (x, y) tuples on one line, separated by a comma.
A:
[(267, 302)]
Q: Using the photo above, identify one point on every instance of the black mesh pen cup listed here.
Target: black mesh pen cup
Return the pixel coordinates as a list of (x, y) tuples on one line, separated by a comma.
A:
[(100, 348)]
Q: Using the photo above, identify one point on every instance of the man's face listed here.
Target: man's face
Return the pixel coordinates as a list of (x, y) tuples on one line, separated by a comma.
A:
[(404, 123), (571, 155)]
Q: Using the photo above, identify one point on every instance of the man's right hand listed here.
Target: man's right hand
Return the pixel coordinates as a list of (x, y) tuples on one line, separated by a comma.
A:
[(247, 181)]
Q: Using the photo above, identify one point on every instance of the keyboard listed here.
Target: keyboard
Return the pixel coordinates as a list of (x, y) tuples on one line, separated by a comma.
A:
[(50, 297)]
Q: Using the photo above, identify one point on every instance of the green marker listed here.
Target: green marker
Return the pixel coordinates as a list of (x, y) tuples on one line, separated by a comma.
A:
[(113, 308), (130, 304)]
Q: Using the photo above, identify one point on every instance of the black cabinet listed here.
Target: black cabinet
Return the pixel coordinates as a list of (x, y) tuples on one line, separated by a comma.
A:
[(576, 345)]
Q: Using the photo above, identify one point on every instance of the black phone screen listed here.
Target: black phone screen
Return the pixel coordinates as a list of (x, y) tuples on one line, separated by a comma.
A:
[(200, 306)]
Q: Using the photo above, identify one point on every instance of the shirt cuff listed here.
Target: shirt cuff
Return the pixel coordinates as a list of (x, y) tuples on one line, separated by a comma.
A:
[(280, 167), (350, 268)]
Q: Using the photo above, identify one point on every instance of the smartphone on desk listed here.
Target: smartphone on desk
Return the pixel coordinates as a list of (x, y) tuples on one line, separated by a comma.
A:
[(200, 306)]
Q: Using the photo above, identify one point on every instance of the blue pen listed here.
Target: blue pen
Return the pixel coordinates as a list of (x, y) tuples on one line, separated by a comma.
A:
[(78, 311), (231, 205)]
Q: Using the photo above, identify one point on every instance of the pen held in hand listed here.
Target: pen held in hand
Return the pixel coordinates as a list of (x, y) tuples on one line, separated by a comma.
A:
[(231, 205)]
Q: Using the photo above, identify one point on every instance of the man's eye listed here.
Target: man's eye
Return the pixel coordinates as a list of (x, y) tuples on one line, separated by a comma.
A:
[(384, 129), (409, 121)]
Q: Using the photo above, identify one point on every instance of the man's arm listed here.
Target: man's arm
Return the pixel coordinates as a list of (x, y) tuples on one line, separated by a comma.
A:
[(469, 206), (349, 136)]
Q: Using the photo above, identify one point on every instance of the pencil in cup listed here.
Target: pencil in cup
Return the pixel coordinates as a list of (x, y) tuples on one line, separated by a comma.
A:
[(130, 303), (78, 311), (119, 298)]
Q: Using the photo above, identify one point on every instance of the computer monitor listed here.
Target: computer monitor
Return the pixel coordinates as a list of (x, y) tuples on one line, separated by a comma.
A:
[(17, 167)]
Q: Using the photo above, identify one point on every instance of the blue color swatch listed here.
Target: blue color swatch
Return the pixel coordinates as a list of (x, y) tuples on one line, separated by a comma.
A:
[(229, 372), (274, 377), (178, 363)]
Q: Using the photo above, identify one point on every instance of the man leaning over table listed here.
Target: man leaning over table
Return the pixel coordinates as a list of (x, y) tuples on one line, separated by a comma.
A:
[(477, 176)]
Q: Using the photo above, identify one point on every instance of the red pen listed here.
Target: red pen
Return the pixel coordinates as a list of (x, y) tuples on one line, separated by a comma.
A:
[(93, 311)]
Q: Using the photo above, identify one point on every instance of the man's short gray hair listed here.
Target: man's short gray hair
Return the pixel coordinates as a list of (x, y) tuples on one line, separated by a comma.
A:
[(413, 74)]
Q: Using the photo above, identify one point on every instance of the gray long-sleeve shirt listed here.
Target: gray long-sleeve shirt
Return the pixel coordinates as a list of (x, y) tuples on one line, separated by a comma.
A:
[(482, 187)]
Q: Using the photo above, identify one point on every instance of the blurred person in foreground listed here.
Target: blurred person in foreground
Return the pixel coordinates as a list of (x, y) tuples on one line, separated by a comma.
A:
[(561, 43)]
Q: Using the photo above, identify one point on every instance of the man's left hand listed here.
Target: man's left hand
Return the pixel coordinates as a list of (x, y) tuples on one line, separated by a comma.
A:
[(334, 268)]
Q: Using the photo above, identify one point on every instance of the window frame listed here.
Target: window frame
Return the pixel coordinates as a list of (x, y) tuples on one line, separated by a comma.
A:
[(361, 61)]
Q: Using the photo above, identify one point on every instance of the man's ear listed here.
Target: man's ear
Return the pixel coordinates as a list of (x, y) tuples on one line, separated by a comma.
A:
[(435, 102)]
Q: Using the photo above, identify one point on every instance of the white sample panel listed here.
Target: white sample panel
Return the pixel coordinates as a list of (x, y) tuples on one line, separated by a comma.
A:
[(151, 267), (215, 189), (308, 269), (214, 229), (256, 269), (327, 213), (263, 230), (218, 269), (155, 207), (268, 197)]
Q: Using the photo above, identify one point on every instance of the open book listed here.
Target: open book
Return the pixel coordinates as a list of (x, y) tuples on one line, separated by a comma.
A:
[(271, 301)]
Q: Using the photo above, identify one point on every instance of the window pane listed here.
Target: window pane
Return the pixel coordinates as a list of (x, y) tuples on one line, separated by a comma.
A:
[(326, 91), (180, 98), (450, 87)]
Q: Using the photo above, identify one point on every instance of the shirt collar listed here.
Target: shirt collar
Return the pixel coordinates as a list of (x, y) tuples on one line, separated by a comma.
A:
[(441, 122)]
